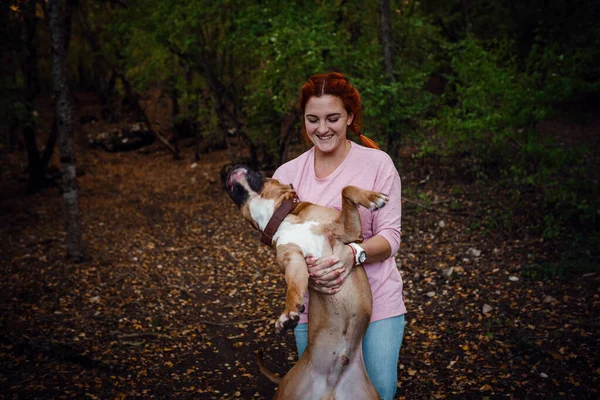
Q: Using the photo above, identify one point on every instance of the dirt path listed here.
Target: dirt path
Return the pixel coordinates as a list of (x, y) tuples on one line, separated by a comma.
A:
[(178, 294)]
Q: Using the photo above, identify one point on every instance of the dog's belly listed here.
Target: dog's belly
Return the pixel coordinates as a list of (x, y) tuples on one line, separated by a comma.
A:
[(304, 235), (305, 382)]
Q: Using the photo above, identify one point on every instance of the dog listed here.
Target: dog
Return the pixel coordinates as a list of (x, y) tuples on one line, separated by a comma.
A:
[(332, 366)]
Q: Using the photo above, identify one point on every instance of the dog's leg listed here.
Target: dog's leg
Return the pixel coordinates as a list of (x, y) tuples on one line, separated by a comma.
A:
[(292, 263), (347, 227)]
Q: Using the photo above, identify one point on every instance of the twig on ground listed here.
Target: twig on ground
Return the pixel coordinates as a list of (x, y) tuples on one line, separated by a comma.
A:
[(143, 334), (234, 322), (175, 249)]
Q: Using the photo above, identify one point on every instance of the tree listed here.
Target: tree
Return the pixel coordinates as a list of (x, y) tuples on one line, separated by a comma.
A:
[(112, 58), (386, 39), (56, 14), (36, 168)]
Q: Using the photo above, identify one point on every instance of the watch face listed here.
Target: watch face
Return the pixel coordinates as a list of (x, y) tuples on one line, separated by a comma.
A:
[(362, 256)]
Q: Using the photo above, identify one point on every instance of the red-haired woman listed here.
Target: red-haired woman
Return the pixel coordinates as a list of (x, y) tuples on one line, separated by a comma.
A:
[(330, 108)]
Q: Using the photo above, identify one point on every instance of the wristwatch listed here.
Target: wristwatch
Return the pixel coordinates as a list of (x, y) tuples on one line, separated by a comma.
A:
[(359, 253)]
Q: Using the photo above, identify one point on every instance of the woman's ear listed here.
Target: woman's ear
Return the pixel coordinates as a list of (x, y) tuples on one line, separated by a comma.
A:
[(350, 119)]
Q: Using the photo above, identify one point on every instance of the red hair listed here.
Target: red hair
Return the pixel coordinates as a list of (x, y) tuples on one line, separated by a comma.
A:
[(336, 84)]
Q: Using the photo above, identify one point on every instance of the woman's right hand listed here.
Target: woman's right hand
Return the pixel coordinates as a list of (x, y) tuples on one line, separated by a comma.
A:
[(327, 274)]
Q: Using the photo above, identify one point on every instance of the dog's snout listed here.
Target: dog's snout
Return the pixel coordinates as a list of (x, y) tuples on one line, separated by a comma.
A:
[(235, 175), (238, 173)]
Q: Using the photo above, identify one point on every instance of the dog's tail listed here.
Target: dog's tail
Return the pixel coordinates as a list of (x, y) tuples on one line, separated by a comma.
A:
[(261, 365)]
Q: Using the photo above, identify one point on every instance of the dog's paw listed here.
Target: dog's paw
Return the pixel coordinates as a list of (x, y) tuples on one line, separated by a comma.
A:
[(287, 321), (377, 200)]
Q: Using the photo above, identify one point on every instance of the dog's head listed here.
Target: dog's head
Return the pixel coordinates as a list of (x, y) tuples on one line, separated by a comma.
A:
[(256, 197)]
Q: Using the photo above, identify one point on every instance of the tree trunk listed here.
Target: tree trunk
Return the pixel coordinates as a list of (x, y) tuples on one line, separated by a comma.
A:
[(35, 167), (219, 93), (464, 11), (287, 129), (134, 100), (393, 134), (386, 39), (31, 25), (51, 142), (65, 131)]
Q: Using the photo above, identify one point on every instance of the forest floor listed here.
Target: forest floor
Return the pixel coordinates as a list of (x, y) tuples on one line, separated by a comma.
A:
[(177, 292)]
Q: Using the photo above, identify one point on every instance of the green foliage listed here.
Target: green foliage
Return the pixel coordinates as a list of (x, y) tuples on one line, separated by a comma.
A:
[(288, 42), (488, 101), (241, 63), (393, 107), (488, 117), (292, 41)]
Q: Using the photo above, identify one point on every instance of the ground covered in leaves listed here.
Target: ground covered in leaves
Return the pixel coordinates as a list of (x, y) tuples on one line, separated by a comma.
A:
[(178, 293)]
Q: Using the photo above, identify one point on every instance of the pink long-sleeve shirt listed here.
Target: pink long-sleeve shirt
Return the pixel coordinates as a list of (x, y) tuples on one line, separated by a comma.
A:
[(369, 169)]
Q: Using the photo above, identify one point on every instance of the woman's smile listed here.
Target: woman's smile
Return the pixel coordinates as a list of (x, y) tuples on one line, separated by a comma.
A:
[(325, 137)]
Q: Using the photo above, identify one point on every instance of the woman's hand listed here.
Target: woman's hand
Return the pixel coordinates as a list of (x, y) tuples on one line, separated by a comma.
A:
[(327, 274)]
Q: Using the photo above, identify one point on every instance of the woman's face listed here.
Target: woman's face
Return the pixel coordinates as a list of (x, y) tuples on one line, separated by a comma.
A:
[(326, 122)]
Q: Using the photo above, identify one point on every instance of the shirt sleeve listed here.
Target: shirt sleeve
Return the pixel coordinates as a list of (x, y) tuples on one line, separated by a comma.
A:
[(280, 175), (387, 220)]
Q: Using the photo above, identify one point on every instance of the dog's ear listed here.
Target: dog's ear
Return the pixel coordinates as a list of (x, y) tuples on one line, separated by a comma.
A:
[(292, 186), (224, 172)]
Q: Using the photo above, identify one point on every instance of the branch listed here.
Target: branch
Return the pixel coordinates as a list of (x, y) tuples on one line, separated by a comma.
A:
[(143, 334), (248, 321)]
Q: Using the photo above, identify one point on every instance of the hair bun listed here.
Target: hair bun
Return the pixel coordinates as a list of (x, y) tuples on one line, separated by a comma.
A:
[(337, 75)]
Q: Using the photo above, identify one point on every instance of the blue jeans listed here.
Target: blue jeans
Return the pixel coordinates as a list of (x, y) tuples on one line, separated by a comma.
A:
[(381, 350)]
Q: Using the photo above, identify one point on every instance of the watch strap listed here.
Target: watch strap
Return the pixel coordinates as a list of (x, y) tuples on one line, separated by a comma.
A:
[(357, 251)]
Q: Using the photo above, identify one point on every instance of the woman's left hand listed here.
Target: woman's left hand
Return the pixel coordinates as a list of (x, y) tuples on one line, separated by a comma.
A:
[(327, 274)]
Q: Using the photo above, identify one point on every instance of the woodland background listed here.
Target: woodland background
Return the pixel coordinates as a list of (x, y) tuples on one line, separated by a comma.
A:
[(128, 273)]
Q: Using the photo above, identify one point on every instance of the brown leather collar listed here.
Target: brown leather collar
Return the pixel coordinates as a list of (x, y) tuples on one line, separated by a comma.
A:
[(278, 216)]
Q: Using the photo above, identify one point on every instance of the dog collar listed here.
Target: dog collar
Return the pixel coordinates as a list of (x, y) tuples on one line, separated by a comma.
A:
[(278, 216)]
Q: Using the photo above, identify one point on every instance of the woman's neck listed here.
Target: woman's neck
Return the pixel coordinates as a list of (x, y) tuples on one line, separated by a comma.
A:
[(326, 163)]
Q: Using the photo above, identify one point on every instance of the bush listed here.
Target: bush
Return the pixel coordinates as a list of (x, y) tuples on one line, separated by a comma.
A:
[(490, 111)]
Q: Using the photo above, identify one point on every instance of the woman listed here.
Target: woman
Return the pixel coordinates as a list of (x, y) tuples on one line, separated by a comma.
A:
[(330, 107)]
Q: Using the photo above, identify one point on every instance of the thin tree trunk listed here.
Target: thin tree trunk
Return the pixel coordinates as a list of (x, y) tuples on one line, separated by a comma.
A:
[(386, 39), (198, 137), (65, 131), (31, 26), (388, 62), (219, 93), (36, 179), (175, 111), (134, 100), (35, 167), (464, 11), (51, 142), (287, 129)]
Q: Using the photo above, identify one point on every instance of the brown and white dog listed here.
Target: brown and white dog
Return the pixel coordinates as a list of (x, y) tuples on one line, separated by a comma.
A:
[(332, 365)]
